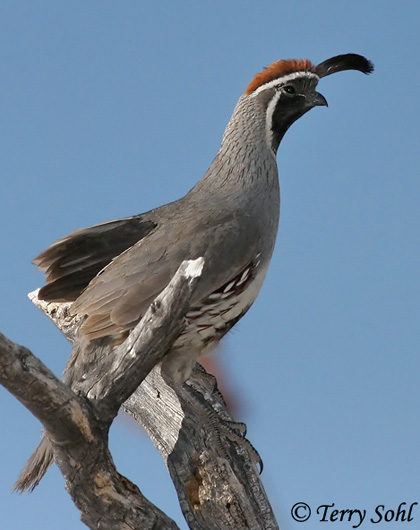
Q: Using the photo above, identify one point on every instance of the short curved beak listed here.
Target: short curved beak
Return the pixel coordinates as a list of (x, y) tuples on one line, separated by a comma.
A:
[(317, 100)]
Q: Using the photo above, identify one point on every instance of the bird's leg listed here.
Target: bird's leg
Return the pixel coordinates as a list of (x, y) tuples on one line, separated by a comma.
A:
[(215, 414)]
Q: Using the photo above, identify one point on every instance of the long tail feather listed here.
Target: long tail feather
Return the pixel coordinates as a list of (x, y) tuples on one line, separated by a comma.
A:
[(36, 467)]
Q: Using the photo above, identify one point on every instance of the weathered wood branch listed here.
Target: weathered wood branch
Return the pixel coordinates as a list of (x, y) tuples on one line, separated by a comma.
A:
[(106, 499), (212, 465)]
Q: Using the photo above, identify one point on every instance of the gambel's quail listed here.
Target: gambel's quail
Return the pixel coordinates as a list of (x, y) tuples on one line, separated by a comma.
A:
[(112, 271)]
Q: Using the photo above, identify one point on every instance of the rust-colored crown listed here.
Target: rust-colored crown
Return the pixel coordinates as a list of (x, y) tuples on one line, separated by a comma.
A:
[(278, 69)]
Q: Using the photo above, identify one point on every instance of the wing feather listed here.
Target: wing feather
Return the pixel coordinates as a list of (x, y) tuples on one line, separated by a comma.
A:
[(72, 262), (117, 298)]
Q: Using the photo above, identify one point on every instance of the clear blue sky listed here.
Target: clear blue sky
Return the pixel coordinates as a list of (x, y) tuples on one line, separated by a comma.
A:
[(108, 109)]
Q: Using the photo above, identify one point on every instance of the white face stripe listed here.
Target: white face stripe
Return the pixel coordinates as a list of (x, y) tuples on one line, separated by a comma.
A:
[(269, 118), (282, 80)]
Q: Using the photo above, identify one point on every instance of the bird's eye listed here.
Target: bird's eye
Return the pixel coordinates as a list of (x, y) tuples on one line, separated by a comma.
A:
[(289, 89)]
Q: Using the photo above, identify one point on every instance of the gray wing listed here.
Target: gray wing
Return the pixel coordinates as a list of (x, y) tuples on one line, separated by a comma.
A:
[(118, 296), (72, 262)]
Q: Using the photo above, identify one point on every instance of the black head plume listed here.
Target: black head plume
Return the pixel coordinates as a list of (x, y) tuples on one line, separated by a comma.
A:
[(348, 61)]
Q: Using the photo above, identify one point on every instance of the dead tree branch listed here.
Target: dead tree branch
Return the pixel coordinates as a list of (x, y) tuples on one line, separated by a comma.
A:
[(211, 464), (106, 499)]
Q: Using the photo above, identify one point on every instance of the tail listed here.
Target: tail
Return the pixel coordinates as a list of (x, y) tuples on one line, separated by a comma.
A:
[(84, 358), (36, 467)]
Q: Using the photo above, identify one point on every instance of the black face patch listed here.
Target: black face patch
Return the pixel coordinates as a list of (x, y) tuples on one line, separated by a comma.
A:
[(291, 100), (287, 111)]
